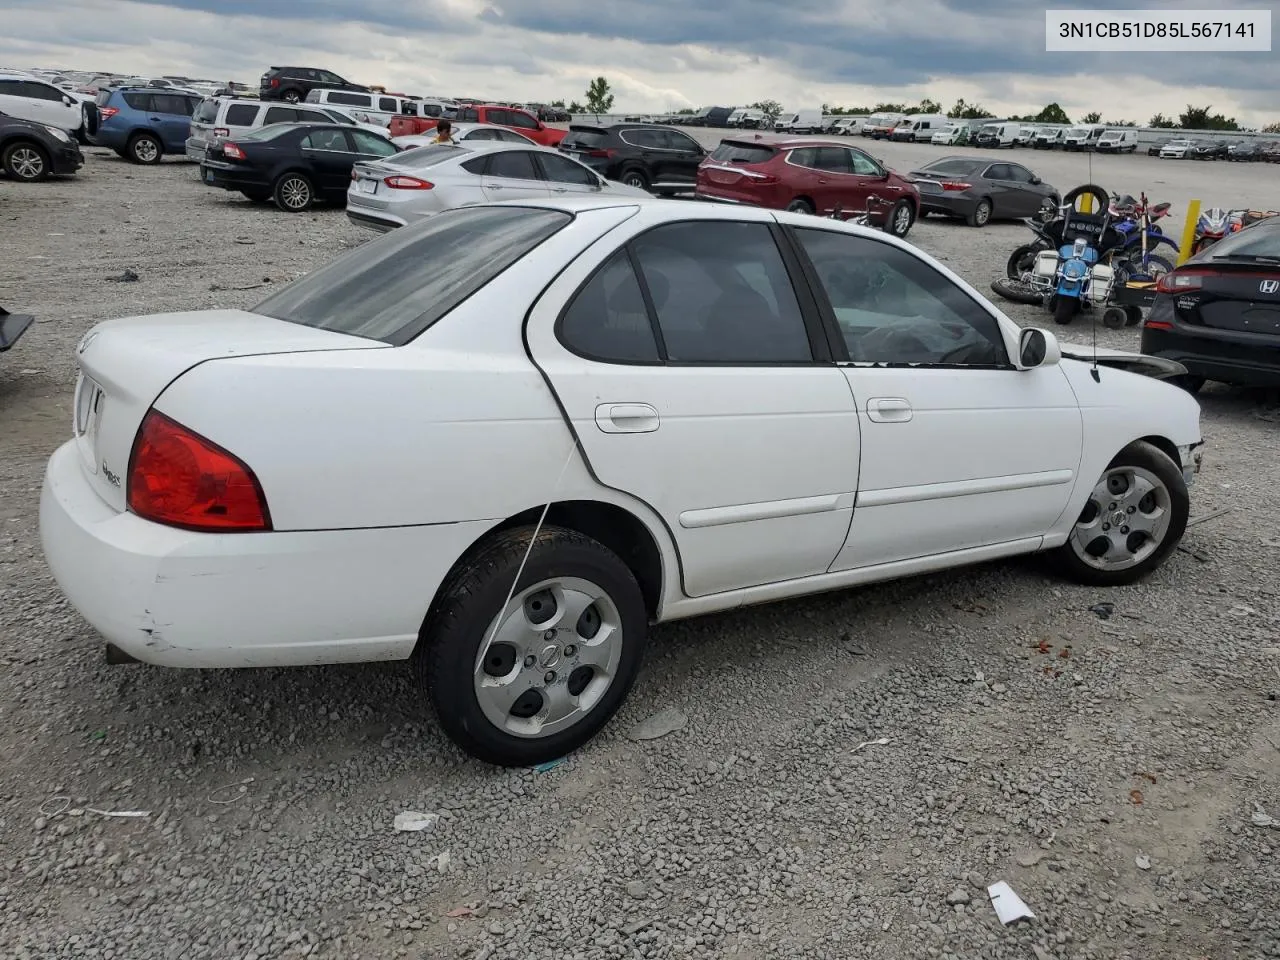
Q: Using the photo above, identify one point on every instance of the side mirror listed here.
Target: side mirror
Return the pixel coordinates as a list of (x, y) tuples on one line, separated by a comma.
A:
[(1036, 181), (1037, 348), (68, 101)]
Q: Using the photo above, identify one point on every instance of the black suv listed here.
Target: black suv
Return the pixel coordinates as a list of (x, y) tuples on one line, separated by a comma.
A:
[(645, 155), (294, 83)]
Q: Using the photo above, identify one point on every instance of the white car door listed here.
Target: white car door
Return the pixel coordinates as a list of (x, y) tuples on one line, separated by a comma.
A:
[(708, 392), (959, 449), (51, 103), (15, 102), (567, 177), (513, 175)]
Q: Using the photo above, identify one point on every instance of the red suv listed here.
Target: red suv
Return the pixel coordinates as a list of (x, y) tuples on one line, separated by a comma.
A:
[(811, 176)]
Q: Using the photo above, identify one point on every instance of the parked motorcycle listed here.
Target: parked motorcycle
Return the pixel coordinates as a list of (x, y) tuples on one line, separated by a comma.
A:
[(1216, 222)]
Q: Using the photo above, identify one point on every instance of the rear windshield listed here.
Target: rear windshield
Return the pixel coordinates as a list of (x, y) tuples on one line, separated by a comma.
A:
[(269, 132), (952, 166), (587, 138), (426, 156), (103, 96), (393, 288), (742, 153), (206, 112), (1259, 240)]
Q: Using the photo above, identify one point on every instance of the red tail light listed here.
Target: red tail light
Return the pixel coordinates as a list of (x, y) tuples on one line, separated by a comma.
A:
[(221, 132), (275, 81), (408, 183), (180, 479), (106, 113), (233, 151), (601, 154), (1180, 281), (955, 185)]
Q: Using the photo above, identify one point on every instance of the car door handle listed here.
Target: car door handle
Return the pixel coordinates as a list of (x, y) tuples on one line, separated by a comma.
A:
[(494, 186), (627, 418), (888, 410), (559, 189), (823, 180)]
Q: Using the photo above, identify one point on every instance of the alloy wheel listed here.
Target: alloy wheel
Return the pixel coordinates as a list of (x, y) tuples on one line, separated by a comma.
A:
[(295, 193), (27, 163), (145, 149), (902, 220), (1125, 520), (549, 657)]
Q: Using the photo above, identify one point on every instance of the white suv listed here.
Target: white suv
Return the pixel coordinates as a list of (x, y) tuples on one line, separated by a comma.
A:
[(225, 117), (29, 98)]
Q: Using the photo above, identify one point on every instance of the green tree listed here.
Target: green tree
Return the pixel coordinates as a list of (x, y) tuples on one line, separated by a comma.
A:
[(1162, 122), (1052, 114), (929, 106), (599, 97), (889, 108), (1092, 117), (967, 111), (575, 108), (1199, 118), (557, 103), (770, 109)]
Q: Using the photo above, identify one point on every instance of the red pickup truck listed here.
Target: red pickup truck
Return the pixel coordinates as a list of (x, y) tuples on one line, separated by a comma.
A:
[(510, 117)]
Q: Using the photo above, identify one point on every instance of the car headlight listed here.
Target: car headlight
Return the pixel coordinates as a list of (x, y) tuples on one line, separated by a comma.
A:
[(60, 134)]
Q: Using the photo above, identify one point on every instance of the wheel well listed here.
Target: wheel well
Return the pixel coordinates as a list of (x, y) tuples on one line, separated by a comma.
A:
[(616, 528), (808, 200), (13, 141), (1167, 447)]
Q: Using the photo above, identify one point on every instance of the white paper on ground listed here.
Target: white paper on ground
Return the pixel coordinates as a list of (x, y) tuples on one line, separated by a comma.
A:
[(1009, 906), (411, 822)]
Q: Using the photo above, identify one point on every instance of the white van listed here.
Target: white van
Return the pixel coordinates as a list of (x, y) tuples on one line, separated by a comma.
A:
[(880, 125), (1084, 137), (225, 117), (955, 132), (1006, 133), (1118, 141), (370, 107), (806, 121), (920, 127)]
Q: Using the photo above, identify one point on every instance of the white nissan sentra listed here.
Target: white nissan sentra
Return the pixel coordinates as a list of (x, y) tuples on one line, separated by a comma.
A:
[(503, 441)]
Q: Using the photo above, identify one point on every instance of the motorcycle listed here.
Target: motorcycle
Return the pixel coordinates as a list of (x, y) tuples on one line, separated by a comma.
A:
[(1215, 223)]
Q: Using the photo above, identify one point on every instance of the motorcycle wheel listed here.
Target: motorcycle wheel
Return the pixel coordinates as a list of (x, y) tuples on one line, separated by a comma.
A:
[(1022, 259), (1065, 309), (1015, 290), (1156, 267)]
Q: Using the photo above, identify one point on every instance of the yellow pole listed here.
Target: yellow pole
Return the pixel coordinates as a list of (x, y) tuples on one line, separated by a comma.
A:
[(1189, 231), (1086, 203)]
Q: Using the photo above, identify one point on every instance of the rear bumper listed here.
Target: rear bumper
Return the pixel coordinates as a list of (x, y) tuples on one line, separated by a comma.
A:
[(954, 206), (196, 148), (181, 599), (227, 177), (371, 219), (1243, 361)]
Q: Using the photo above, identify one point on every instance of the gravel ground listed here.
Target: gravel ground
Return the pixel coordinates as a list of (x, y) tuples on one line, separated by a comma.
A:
[(854, 770)]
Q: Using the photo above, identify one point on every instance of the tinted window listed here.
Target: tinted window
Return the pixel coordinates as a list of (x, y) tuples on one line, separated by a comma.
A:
[(41, 91), (513, 164), (834, 160), (678, 141), (13, 88), (476, 166), (169, 103), (722, 293), (585, 139), (893, 307), (522, 120), (389, 104), (371, 143), (280, 115), (328, 77), (998, 171), (430, 109), (332, 140), (563, 170), (138, 101), (312, 116), (242, 114), (207, 112), (648, 139), (337, 117), (470, 114), (349, 99), (1019, 174), (607, 319), (742, 153), (1259, 240), (399, 285)]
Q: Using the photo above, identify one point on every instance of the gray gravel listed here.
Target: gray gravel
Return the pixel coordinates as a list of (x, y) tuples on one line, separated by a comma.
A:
[(1028, 739)]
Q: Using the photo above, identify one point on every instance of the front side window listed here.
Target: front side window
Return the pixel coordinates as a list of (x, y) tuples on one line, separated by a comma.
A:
[(892, 307), (388, 104), (607, 319), (516, 118), (863, 165), (394, 288), (674, 140), (138, 101), (334, 141), (722, 294)]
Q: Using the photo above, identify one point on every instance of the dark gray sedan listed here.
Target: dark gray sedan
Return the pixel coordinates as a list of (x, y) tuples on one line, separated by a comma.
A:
[(979, 189)]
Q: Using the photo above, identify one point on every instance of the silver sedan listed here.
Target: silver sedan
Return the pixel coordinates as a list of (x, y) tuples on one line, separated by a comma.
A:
[(422, 181)]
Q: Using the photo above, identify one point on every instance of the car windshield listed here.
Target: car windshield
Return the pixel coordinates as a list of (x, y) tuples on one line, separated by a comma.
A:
[(1260, 241), (393, 288), (1078, 132)]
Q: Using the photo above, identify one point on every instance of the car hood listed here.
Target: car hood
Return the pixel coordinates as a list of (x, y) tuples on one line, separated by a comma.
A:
[(1156, 367)]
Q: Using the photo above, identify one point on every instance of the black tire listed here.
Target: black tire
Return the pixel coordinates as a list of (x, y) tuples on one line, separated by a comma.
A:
[(1114, 318), (1101, 197), (291, 96), (901, 219), (980, 215), (1021, 259), (1143, 456), (293, 192), (1017, 291), (636, 178), (1065, 309), (144, 148), (1189, 382), (800, 205), (26, 161), (461, 620)]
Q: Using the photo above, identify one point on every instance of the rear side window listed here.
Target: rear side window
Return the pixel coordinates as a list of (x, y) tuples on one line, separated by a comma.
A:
[(241, 114), (394, 288), (138, 101), (742, 153), (388, 104), (348, 99), (280, 115), (585, 139), (169, 103), (607, 319), (513, 165), (207, 112), (651, 139)]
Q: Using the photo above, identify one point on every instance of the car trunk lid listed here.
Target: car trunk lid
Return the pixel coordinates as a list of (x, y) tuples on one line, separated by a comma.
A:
[(124, 365), (737, 162), (1240, 298)]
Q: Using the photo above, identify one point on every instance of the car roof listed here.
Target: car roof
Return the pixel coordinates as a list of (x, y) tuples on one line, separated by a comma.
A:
[(789, 143)]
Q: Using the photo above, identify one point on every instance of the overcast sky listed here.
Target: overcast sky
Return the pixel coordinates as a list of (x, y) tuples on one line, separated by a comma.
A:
[(657, 54)]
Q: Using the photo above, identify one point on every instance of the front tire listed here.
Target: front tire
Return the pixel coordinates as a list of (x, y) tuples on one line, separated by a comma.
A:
[(1065, 309), (1134, 517), (26, 162), (901, 218), (636, 178), (565, 650), (293, 193)]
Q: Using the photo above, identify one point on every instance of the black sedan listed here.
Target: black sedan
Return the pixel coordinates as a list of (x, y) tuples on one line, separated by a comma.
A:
[(1219, 313), (293, 164), (981, 189), (33, 151)]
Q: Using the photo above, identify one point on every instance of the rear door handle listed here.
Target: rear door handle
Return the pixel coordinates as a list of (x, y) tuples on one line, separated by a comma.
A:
[(559, 189), (888, 410), (627, 418), (494, 186)]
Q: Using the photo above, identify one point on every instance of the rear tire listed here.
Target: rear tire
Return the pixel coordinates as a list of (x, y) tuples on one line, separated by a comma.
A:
[(1113, 318), (26, 162), (293, 193), (636, 178), (144, 148), (1133, 549), (1022, 259), (800, 205), (292, 96), (980, 216), (474, 700)]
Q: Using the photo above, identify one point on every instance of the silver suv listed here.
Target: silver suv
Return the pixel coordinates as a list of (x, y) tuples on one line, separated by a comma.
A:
[(225, 117)]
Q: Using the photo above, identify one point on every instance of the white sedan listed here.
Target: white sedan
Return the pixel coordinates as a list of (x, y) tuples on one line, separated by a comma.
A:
[(502, 442), (465, 133), (422, 181)]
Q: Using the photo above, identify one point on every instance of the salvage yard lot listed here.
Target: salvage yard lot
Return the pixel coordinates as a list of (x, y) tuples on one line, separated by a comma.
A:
[(1107, 762)]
